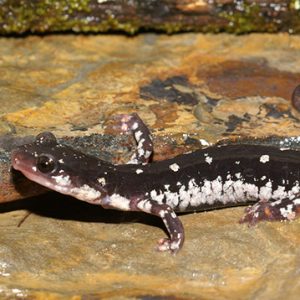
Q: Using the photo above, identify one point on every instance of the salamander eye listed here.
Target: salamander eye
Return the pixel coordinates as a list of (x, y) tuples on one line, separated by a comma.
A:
[(46, 163)]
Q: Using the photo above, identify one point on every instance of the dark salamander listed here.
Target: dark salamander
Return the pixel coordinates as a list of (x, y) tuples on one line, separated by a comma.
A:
[(218, 176)]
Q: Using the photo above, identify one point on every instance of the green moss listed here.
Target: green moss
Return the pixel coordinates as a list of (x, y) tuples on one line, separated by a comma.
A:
[(52, 15), (248, 19), (252, 19), (173, 27), (112, 23), (39, 16), (81, 16)]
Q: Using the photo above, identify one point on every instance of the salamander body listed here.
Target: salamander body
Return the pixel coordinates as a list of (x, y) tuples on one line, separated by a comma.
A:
[(218, 176)]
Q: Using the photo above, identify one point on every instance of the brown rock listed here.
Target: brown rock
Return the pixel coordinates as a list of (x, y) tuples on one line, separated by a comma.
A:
[(185, 87)]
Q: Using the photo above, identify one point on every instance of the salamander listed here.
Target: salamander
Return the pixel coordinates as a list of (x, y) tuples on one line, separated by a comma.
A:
[(215, 177)]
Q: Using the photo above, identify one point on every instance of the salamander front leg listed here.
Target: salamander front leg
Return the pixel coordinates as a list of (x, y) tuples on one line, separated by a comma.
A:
[(133, 124), (279, 210), (170, 219), (165, 212)]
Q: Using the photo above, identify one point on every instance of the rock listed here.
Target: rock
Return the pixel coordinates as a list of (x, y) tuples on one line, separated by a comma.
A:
[(190, 89)]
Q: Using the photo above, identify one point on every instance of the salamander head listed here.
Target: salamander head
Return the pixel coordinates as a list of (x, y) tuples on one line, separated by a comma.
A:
[(58, 167)]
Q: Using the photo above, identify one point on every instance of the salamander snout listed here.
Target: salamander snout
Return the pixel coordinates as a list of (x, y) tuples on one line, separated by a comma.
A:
[(16, 158)]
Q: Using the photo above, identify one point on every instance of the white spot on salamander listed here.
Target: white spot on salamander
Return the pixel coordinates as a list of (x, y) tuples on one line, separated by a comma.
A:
[(34, 169), (135, 126), (173, 215), (208, 159), (157, 197), (117, 201), (148, 153), (139, 171), (138, 135), (279, 192), (62, 180), (174, 167), (101, 180), (296, 201), (265, 191), (61, 161), (145, 205), (162, 213), (287, 212), (264, 158), (86, 193)]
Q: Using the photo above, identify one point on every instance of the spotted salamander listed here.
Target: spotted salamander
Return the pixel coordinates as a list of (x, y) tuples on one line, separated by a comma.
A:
[(215, 177)]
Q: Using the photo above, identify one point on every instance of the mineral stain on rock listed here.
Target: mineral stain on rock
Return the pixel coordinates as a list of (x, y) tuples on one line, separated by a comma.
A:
[(234, 121), (276, 111), (235, 79), (173, 89)]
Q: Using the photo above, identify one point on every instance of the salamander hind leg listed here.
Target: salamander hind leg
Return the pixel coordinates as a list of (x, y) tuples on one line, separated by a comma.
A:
[(132, 123), (279, 210)]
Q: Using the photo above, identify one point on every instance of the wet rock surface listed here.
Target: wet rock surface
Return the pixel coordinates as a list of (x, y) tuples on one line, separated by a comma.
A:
[(186, 88)]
